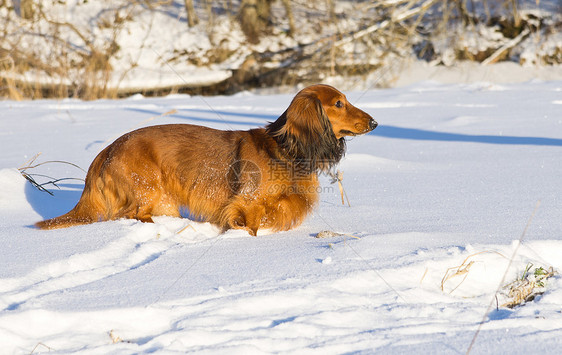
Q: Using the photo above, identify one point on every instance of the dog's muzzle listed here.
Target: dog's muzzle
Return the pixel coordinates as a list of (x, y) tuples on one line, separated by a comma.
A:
[(372, 124)]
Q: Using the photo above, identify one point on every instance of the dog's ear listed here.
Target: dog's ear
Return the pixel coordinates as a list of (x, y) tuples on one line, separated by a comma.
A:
[(307, 120), (305, 133)]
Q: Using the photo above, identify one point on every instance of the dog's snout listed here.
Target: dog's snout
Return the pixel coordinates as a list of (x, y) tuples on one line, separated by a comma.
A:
[(372, 124)]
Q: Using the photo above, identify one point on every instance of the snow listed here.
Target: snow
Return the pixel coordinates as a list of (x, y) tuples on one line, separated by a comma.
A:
[(453, 173)]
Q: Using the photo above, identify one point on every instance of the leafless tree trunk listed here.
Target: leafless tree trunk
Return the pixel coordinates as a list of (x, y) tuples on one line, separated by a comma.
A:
[(192, 19), (264, 12), (289, 11), (249, 20), (210, 14), (331, 9), (26, 8), (228, 7), (463, 11), (516, 16), (254, 17)]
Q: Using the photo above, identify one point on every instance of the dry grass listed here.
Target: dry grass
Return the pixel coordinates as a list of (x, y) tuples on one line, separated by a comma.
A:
[(87, 81), (462, 269), (332, 234), (39, 61), (337, 176), (51, 180), (531, 284), (525, 288), (8, 86), (38, 345), (114, 338)]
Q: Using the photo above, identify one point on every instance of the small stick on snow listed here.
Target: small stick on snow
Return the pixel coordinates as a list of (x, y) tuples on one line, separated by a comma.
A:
[(184, 228), (331, 234), (40, 344), (423, 276), (338, 177), (114, 338), (462, 269)]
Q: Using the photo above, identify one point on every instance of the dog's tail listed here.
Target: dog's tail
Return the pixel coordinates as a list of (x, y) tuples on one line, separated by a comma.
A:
[(91, 208), (69, 219), (88, 210)]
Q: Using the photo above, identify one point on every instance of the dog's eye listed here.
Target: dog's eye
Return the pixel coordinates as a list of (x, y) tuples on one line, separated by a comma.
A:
[(339, 104)]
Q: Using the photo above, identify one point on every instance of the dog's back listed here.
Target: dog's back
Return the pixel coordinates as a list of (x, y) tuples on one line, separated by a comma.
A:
[(150, 171)]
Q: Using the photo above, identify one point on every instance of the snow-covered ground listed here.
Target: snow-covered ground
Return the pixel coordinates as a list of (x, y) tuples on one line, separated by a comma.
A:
[(450, 178)]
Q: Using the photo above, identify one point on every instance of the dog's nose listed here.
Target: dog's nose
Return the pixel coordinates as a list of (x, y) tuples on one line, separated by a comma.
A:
[(372, 124)]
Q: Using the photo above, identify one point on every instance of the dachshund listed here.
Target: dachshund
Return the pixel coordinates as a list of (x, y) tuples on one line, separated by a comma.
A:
[(261, 178)]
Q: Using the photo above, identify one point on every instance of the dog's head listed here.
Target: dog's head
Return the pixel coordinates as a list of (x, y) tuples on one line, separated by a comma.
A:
[(313, 128), (345, 119)]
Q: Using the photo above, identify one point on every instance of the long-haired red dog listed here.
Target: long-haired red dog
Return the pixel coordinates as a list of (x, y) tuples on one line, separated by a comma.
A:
[(261, 178)]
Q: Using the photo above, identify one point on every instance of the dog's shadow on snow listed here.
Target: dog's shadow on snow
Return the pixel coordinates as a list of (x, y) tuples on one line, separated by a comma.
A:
[(426, 135), (49, 206)]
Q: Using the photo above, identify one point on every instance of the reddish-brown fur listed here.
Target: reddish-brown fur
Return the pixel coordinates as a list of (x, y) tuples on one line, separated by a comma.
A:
[(261, 178)]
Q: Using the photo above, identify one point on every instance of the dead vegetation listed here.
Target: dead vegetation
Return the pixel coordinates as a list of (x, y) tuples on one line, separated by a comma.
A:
[(39, 346), (47, 180), (44, 52), (462, 270), (530, 284), (46, 57)]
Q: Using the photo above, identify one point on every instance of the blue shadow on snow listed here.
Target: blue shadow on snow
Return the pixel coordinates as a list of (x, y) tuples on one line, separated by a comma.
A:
[(48, 206), (425, 135), (220, 116)]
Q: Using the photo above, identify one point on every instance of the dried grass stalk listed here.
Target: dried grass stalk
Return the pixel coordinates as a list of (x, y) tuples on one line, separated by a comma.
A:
[(528, 286), (462, 269), (53, 181)]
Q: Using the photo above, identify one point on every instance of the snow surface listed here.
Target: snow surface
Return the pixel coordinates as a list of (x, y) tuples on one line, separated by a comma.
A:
[(452, 172)]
